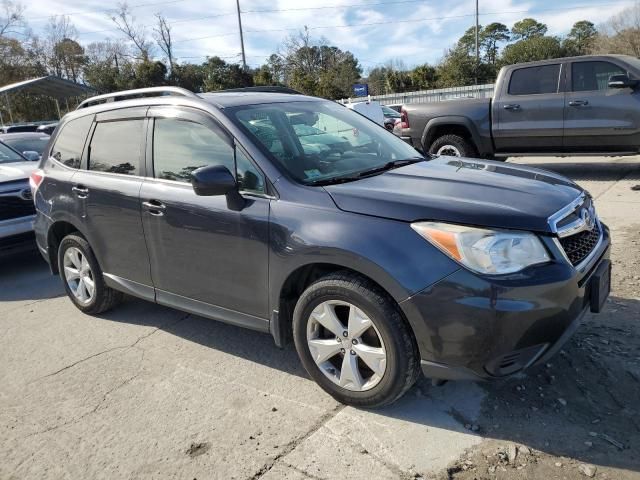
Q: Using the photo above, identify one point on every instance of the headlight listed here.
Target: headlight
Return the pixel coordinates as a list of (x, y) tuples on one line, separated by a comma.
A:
[(486, 251)]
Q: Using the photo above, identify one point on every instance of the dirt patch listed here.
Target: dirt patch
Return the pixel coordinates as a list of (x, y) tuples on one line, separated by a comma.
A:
[(197, 449), (578, 416)]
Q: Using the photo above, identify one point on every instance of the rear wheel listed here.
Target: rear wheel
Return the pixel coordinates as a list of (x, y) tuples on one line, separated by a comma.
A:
[(82, 277), (354, 342), (453, 146)]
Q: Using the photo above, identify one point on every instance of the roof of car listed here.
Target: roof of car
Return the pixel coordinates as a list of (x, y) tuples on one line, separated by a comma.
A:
[(18, 135), (234, 99)]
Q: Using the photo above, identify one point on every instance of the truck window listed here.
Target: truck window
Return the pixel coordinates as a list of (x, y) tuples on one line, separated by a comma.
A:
[(586, 76), (535, 80)]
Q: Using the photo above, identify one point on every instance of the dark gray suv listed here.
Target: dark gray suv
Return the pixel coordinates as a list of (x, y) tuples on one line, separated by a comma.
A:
[(293, 215)]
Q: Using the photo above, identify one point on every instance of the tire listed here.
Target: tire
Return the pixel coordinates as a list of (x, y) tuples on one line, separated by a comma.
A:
[(102, 298), (389, 332), (455, 144)]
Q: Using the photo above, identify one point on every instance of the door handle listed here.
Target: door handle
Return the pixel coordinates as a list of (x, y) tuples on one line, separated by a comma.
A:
[(154, 207), (511, 106), (80, 191), (578, 103)]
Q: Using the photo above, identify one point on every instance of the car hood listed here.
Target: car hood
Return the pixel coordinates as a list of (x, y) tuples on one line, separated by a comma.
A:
[(16, 170), (465, 191)]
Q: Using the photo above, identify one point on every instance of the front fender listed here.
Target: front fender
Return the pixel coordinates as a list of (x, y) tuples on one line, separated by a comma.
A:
[(387, 251)]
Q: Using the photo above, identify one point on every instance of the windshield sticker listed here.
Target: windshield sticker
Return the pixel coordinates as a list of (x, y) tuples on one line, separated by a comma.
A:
[(312, 173), (355, 132)]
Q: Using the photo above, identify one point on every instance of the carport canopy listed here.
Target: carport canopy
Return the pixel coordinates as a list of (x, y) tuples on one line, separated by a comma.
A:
[(51, 86)]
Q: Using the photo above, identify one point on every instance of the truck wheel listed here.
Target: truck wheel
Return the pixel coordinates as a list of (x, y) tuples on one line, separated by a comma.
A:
[(354, 342), (453, 146)]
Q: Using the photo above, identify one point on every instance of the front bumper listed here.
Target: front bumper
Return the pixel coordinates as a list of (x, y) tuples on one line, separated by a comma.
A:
[(476, 327)]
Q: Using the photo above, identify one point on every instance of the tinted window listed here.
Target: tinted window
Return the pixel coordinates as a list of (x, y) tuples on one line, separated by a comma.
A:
[(115, 147), (587, 76), (534, 80), (70, 141), (248, 176), (181, 146)]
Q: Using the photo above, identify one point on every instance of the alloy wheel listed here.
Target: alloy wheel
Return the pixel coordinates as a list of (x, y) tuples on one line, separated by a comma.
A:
[(346, 345), (78, 275), (449, 151)]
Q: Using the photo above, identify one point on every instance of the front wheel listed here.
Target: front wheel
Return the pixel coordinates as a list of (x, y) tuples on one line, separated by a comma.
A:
[(354, 342)]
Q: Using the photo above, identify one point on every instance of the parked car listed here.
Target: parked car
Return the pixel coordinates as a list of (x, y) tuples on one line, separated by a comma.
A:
[(391, 117), (30, 144), (47, 128), (31, 127), (17, 211), (567, 106), (376, 262)]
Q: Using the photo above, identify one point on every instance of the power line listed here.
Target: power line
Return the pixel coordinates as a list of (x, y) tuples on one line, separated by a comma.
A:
[(105, 10), (400, 2)]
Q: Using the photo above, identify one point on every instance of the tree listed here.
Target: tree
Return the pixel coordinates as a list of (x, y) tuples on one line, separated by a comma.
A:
[(11, 17), (531, 49), (136, 34), (162, 33), (580, 39), (620, 34), (528, 28), (423, 77), (220, 75), (491, 37)]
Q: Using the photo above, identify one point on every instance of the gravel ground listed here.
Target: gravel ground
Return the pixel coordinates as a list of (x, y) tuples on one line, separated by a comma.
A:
[(149, 392)]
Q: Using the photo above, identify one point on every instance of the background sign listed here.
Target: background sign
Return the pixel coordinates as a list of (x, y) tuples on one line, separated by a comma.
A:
[(361, 89)]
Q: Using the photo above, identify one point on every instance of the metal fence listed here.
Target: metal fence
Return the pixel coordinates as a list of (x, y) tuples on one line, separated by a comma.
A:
[(426, 96)]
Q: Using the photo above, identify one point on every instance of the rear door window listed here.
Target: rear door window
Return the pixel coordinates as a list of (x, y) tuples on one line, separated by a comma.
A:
[(69, 143), (115, 147), (535, 80), (589, 76)]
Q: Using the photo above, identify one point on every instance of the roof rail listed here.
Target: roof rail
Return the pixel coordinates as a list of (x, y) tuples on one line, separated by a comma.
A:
[(264, 89), (138, 92)]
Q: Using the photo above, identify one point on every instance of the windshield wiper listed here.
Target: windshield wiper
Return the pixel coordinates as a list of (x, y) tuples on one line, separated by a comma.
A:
[(366, 173), (389, 166)]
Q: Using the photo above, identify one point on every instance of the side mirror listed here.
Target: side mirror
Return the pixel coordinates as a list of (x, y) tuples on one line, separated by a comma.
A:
[(621, 81), (213, 180), (31, 155)]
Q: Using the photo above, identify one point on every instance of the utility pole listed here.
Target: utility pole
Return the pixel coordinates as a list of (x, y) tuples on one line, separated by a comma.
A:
[(244, 59), (477, 44)]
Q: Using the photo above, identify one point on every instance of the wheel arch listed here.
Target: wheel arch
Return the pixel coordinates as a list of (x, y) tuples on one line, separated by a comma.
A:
[(299, 279), (455, 125), (56, 232)]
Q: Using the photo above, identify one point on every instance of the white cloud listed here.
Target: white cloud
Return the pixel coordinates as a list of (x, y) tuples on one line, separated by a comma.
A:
[(422, 32)]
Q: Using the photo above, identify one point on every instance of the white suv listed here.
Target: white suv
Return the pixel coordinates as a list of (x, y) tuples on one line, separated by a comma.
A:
[(16, 204)]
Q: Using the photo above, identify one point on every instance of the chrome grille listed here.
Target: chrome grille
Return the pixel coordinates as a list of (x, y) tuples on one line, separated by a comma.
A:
[(579, 246)]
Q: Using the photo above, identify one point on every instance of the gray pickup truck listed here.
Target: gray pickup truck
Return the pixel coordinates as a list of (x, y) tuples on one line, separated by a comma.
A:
[(587, 105)]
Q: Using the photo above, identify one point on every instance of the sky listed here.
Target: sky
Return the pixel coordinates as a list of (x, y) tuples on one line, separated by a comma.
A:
[(376, 31)]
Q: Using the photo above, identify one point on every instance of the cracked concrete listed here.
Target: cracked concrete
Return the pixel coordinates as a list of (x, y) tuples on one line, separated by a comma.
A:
[(127, 394)]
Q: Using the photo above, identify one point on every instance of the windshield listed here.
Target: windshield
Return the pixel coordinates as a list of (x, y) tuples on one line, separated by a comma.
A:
[(7, 155), (32, 144), (390, 112), (318, 142)]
